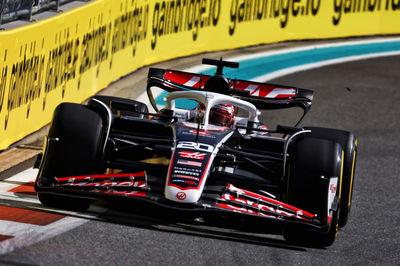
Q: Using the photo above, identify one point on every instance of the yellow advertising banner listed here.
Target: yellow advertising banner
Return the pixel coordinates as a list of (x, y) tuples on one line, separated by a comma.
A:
[(71, 56)]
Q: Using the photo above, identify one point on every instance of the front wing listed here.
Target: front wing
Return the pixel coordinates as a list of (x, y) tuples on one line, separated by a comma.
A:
[(224, 199)]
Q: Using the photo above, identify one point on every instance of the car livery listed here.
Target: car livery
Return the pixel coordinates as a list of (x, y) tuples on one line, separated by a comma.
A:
[(177, 158)]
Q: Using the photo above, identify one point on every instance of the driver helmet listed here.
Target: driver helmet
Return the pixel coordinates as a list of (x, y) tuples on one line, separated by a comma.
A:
[(223, 115)]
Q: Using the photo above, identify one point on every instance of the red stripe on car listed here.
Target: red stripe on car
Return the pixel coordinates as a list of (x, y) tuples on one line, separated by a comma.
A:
[(255, 195), (139, 174)]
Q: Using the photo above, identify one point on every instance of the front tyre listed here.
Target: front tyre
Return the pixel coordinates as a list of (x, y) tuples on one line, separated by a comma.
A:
[(349, 145), (312, 163), (73, 149)]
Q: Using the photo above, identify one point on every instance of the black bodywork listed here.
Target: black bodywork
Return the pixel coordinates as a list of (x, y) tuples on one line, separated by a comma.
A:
[(247, 175)]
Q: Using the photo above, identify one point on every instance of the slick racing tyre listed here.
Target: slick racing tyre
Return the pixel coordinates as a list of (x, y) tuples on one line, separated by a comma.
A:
[(312, 162), (349, 145), (73, 149)]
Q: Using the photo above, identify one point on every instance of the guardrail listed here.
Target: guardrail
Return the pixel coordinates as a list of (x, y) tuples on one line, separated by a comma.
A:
[(11, 10)]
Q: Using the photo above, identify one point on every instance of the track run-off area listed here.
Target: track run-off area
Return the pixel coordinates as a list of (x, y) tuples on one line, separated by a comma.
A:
[(356, 88)]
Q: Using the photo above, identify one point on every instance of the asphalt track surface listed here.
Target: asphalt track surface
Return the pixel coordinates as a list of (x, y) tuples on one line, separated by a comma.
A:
[(362, 97)]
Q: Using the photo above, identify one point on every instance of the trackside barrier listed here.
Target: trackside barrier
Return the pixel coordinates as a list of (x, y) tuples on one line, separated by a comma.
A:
[(24, 9), (70, 57)]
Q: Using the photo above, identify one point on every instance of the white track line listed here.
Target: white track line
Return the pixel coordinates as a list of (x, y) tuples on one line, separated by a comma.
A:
[(27, 234), (19, 179)]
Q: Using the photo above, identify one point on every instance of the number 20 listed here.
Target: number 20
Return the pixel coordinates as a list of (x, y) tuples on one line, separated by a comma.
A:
[(195, 146)]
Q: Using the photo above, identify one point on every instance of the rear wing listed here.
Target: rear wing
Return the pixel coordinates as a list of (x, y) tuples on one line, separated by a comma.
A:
[(263, 95)]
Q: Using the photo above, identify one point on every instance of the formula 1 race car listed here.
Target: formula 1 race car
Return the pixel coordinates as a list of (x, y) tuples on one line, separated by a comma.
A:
[(203, 151)]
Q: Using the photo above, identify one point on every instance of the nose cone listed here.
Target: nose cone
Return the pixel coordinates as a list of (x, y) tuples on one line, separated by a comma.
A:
[(182, 196)]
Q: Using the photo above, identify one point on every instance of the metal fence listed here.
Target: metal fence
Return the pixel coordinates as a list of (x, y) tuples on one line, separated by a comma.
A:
[(24, 9)]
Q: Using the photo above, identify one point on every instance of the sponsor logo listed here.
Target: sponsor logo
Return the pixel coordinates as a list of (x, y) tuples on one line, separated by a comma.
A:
[(193, 81), (229, 197), (186, 177), (191, 163), (192, 155), (241, 209), (126, 193), (181, 195), (217, 129), (193, 170), (186, 172), (108, 184), (332, 188), (201, 133)]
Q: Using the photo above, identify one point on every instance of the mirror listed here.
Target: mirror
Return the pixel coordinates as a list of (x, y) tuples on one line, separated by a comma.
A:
[(158, 100)]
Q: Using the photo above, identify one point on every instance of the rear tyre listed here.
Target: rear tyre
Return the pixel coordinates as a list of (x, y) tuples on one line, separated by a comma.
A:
[(310, 160), (349, 145), (73, 149)]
